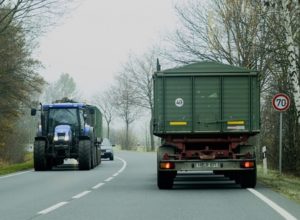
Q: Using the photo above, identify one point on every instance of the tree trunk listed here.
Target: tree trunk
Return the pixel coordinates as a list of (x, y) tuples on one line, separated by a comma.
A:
[(127, 137), (292, 51), (151, 132), (108, 130)]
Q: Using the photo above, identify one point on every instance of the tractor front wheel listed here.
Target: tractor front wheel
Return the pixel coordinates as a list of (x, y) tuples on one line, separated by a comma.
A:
[(39, 156)]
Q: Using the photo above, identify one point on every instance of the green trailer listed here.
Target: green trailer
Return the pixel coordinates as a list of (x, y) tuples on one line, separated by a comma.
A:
[(205, 112), (95, 120)]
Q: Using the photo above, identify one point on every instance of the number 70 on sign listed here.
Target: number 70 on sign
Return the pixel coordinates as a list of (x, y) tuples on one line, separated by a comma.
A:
[(281, 102)]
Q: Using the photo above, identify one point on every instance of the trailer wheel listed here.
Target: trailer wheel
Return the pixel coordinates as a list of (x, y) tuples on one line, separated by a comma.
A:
[(99, 159), (84, 155), (165, 179), (93, 156), (39, 156), (248, 179)]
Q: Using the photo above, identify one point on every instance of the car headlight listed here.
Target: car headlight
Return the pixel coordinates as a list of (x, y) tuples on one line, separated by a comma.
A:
[(55, 137)]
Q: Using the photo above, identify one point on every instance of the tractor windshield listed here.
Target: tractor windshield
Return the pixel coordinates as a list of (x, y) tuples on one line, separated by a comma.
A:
[(60, 116)]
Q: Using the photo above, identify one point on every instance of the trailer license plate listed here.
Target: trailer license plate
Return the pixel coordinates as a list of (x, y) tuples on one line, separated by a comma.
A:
[(207, 165)]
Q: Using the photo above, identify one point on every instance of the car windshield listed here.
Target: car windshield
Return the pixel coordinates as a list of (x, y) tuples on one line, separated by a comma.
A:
[(63, 116), (106, 142)]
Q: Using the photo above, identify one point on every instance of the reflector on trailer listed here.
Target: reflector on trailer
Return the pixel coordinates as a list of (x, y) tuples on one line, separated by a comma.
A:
[(235, 122), (178, 123)]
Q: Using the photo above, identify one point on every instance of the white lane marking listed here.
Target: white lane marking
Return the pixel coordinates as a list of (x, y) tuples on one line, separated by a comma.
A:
[(124, 165), (108, 179), (286, 215), (116, 174), (52, 208), (15, 174), (98, 185), (79, 195)]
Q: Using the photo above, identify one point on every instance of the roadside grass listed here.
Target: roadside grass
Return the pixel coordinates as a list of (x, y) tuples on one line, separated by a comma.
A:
[(285, 184), (12, 168)]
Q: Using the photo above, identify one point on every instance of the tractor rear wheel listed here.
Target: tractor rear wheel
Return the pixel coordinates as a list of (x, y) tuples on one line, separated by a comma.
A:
[(84, 155)]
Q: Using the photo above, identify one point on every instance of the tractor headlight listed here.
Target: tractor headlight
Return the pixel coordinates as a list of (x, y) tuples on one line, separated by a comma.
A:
[(67, 137)]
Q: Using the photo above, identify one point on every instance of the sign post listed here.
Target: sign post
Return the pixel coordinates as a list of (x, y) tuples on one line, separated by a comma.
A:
[(281, 102)]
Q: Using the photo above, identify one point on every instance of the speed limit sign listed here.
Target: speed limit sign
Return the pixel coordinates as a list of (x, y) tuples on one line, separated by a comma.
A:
[(281, 102)]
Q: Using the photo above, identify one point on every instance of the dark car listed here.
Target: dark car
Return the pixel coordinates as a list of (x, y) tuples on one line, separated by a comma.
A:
[(107, 149)]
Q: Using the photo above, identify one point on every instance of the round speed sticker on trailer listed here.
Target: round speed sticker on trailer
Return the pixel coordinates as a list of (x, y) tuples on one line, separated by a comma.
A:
[(179, 102)]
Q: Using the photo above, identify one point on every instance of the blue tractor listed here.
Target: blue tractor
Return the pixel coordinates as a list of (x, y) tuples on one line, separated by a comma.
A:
[(68, 130)]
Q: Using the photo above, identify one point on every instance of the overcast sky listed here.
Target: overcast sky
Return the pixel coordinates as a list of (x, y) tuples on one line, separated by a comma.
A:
[(93, 40)]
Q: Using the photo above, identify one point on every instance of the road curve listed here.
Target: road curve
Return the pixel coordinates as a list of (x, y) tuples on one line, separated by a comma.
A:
[(126, 189)]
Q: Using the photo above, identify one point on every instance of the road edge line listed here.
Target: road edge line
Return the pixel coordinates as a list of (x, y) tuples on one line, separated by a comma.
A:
[(15, 174), (273, 205)]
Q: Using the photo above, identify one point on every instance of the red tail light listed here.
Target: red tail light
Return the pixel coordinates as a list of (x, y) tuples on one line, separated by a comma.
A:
[(248, 164), (167, 165)]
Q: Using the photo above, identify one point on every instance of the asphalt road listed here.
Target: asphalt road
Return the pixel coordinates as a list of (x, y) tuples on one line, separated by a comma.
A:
[(126, 189)]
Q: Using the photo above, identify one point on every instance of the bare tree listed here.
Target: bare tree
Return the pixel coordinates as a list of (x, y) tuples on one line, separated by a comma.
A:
[(140, 70), (283, 22), (123, 100), (65, 86), (261, 35), (291, 13), (20, 22), (30, 13), (233, 32), (105, 102)]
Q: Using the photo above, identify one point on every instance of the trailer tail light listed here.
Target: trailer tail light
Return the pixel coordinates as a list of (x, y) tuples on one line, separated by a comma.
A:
[(167, 165), (247, 164)]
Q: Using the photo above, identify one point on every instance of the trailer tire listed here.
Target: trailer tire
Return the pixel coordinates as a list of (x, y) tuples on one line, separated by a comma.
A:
[(93, 156), (165, 179), (39, 156), (99, 159), (248, 179), (84, 155)]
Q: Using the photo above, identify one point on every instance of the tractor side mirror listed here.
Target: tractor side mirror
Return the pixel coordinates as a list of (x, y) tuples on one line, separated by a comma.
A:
[(33, 112)]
